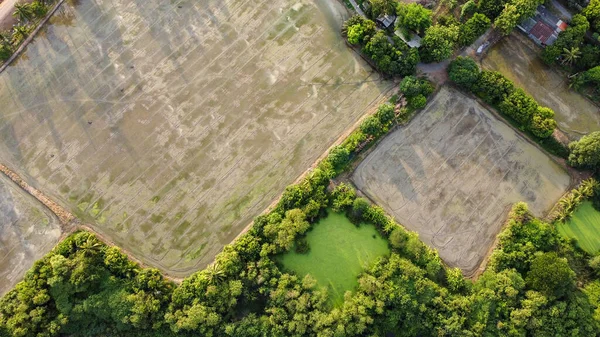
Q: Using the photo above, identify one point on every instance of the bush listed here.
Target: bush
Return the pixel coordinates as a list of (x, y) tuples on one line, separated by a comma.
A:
[(371, 126), (550, 275), (412, 86), (464, 72), (472, 29), (542, 123), (417, 102), (339, 157), (519, 106), (586, 151), (302, 246), (493, 87), (358, 211), (385, 114)]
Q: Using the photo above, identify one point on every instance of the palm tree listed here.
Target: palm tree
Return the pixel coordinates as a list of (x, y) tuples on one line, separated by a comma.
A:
[(23, 12), (570, 55), (91, 246), (215, 274), (20, 33)]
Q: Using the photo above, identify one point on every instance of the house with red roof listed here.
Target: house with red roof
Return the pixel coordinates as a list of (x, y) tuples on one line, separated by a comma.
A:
[(543, 27)]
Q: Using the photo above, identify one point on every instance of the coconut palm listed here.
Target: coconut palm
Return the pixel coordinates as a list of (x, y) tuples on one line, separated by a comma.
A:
[(20, 33), (215, 274), (570, 55), (91, 246), (23, 12)]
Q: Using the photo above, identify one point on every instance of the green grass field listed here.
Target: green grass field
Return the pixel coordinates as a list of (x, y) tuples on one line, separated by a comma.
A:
[(584, 226), (339, 252)]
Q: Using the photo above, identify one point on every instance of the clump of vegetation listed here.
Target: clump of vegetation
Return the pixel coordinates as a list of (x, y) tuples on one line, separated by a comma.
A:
[(586, 151), (390, 59), (568, 203)]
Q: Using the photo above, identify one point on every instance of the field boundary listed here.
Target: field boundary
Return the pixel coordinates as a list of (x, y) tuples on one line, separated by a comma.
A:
[(31, 36)]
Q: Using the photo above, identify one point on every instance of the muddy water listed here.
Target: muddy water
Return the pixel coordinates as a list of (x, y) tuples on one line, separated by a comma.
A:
[(27, 231), (517, 59), (170, 125)]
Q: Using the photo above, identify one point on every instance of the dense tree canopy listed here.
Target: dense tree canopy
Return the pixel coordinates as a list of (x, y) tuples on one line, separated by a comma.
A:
[(438, 43), (413, 16)]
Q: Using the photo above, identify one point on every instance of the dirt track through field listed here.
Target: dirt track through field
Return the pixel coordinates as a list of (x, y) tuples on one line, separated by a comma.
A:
[(169, 125), (452, 173)]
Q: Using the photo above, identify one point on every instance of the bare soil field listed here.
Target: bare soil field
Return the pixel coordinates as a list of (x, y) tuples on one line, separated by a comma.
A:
[(170, 125), (453, 172), (27, 231), (517, 58)]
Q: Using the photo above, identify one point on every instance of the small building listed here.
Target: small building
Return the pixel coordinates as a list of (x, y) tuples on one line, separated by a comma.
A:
[(414, 41), (543, 27), (386, 21)]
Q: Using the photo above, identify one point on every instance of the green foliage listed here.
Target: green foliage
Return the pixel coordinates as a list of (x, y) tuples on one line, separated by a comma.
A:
[(412, 86), (371, 126), (338, 157), (542, 123), (491, 8), (493, 87), (519, 106), (83, 288), (413, 16), (379, 7), (468, 8), (385, 114), (472, 29), (586, 151), (464, 72), (391, 59), (438, 43), (514, 12), (550, 275), (592, 13)]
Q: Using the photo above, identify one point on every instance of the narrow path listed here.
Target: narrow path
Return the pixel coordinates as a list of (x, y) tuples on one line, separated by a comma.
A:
[(357, 8)]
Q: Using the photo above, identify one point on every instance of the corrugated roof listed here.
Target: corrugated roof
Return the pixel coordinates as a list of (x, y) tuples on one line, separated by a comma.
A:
[(542, 31)]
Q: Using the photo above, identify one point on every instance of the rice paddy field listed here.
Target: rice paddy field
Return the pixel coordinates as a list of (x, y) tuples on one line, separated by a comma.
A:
[(339, 252), (584, 226), (453, 173), (169, 125)]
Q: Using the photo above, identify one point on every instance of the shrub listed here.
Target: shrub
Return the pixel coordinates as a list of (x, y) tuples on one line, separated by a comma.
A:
[(542, 123), (385, 114), (550, 275), (586, 151), (417, 102), (358, 211), (413, 16), (371, 126), (519, 106), (338, 157), (493, 87), (412, 86), (464, 72), (472, 29)]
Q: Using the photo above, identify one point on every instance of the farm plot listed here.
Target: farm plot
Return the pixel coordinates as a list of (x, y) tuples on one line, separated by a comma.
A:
[(584, 226), (452, 174), (517, 59), (27, 232), (169, 125)]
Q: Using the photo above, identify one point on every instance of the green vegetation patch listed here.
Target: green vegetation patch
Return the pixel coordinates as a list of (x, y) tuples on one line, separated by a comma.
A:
[(584, 226), (338, 252)]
